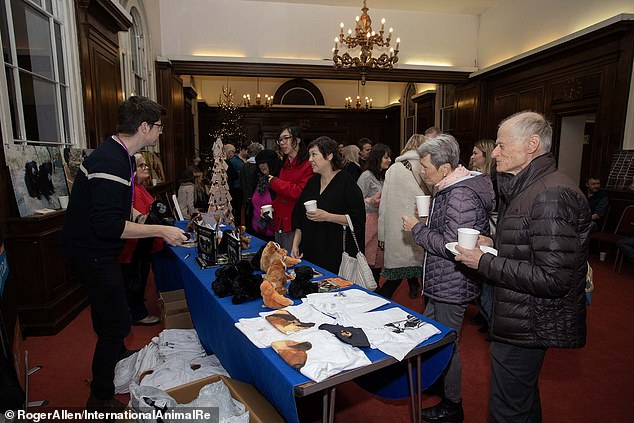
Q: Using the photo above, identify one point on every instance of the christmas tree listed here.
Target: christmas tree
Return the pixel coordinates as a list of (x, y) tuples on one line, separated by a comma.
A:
[(219, 197), (230, 130)]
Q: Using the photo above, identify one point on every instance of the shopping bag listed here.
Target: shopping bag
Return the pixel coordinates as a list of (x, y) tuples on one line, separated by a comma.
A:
[(355, 269)]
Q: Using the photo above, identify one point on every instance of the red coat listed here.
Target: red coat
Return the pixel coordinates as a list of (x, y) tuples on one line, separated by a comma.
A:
[(142, 202), (288, 186)]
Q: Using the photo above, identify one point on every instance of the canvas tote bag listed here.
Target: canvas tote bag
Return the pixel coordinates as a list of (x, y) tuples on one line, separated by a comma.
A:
[(355, 269)]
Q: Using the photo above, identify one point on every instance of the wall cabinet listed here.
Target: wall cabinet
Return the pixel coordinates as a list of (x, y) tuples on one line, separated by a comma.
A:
[(48, 296)]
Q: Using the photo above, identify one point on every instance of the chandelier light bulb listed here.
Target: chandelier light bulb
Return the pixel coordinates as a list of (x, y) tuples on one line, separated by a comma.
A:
[(373, 33), (349, 31), (382, 21), (356, 19), (391, 30), (341, 25)]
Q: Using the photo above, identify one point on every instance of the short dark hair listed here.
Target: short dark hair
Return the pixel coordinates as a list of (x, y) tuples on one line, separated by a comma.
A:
[(296, 132), (375, 158), (364, 141), (136, 110), (326, 146)]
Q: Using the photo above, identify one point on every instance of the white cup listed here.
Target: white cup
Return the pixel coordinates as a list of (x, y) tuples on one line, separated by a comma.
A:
[(467, 238), (603, 255), (311, 205), (422, 204), (63, 201), (267, 208), (154, 182)]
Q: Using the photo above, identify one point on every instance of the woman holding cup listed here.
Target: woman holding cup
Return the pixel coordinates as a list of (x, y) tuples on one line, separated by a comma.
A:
[(402, 257), (463, 200), (262, 196), (321, 209)]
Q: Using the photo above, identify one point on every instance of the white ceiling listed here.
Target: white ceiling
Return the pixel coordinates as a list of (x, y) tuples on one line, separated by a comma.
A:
[(466, 7)]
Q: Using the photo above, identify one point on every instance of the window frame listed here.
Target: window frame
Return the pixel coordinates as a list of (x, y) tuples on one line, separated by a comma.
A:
[(70, 133)]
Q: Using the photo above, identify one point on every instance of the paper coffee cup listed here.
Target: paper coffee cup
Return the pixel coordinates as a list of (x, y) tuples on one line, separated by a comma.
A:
[(467, 238), (63, 201), (267, 209), (603, 255), (154, 182), (311, 205), (422, 204)]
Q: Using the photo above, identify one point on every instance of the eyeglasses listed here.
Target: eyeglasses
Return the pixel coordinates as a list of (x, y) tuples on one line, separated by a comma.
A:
[(161, 126), (284, 139), (143, 166)]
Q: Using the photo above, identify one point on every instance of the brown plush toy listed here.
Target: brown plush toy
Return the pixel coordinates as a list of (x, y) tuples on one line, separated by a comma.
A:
[(273, 252), (276, 274), (245, 241), (271, 298)]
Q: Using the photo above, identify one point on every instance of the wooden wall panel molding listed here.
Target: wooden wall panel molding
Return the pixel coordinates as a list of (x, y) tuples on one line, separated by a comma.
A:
[(276, 70)]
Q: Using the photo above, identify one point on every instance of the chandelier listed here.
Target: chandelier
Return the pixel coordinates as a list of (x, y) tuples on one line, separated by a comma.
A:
[(268, 99), (356, 104), (366, 39)]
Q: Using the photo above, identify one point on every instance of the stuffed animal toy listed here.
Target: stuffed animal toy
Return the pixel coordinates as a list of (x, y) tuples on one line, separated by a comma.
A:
[(301, 286), (271, 298), (272, 252), (276, 274), (238, 281), (245, 241), (246, 286)]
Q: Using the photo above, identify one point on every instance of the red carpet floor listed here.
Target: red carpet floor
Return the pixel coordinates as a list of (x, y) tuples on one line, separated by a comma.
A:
[(593, 384)]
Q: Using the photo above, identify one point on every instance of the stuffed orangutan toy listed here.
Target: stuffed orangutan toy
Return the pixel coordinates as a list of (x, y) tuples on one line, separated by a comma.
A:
[(271, 298), (273, 252)]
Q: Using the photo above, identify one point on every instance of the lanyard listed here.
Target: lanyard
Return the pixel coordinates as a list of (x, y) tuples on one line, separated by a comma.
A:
[(131, 168)]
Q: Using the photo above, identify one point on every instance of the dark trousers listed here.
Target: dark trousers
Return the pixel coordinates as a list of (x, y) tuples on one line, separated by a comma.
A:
[(103, 279), (514, 395), (135, 275), (236, 205), (389, 287), (450, 315)]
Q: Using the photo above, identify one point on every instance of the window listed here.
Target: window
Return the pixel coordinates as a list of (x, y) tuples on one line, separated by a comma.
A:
[(447, 107), (298, 92), (137, 54), (410, 111), (35, 78)]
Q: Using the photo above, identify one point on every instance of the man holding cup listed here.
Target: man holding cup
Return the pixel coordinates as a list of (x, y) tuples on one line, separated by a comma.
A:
[(539, 272)]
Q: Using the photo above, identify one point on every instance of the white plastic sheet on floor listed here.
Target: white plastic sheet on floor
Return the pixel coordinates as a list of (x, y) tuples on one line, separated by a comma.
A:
[(173, 358)]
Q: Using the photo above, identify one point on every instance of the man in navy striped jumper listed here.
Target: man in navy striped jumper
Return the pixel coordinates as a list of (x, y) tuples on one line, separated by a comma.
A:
[(97, 223)]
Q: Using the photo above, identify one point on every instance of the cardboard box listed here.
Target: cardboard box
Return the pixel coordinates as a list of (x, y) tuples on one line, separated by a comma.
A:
[(260, 410), (174, 310)]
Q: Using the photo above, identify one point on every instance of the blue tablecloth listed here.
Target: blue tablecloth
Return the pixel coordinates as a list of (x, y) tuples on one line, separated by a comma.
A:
[(214, 320)]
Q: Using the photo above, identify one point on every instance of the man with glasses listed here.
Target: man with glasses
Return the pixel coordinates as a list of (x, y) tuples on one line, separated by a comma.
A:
[(98, 221), (296, 171)]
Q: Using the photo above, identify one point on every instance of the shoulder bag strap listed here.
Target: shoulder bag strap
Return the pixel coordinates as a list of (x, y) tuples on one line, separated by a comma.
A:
[(417, 178), (354, 237)]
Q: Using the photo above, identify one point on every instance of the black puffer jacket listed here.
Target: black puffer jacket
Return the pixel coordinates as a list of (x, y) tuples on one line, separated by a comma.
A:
[(464, 204), (539, 273)]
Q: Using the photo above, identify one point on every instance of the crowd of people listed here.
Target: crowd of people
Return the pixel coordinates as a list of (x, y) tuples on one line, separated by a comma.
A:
[(510, 192)]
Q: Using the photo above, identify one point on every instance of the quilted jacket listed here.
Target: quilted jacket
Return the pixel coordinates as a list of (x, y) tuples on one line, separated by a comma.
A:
[(539, 273), (465, 204)]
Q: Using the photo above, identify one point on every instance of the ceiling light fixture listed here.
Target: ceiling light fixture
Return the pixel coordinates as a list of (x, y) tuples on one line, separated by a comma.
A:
[(366, 39), (268, 100)]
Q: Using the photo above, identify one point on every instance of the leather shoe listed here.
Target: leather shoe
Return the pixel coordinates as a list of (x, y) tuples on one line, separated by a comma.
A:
[(148, 320), (444, 411)]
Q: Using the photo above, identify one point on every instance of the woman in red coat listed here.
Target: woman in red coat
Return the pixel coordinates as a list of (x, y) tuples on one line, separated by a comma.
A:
[(295, 172), (135, 258)]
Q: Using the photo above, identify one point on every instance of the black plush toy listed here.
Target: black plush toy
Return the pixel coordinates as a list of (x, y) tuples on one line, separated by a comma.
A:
[(246, 286), (159, 215), (238, 281), (301, 285)]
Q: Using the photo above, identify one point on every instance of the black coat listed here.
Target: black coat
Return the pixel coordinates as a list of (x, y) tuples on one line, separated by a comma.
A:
[(539, 273)]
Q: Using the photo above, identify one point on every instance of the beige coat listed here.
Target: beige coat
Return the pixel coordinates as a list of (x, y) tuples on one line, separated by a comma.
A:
[(398, 199)]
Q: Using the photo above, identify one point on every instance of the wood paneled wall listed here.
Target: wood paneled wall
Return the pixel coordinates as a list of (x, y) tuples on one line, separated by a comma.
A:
[(345, 126), (590, 74), (98, 24)]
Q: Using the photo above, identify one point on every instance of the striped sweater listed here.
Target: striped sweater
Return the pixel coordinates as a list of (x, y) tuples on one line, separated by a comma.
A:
[(100, 203)]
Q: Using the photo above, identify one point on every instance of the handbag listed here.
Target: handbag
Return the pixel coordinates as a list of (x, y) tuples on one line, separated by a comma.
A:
[(355, 269)]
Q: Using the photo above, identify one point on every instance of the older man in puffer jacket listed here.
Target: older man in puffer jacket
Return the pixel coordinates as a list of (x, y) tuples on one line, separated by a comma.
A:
[(539, 273)]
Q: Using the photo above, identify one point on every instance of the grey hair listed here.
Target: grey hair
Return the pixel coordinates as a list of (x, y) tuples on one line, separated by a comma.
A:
[(254, 148), (350, 153), (441, 149), (527, 123), (414, 142), (137, 157)]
